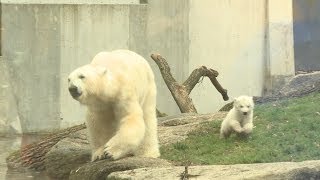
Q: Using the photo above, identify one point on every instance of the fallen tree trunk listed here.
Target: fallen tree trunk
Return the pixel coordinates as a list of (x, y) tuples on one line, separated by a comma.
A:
[(180, 92)]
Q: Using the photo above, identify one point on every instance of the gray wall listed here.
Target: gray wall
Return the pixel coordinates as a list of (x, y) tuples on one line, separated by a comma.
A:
[(153, 28), (43, 43), (307, 34), (31, 50), (167, 34), (85, 31)]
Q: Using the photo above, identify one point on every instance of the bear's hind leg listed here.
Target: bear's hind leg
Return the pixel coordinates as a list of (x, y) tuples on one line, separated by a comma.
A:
[(225, 133)]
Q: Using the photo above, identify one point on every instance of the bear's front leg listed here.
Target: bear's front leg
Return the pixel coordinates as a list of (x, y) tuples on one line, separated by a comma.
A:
[(97, 154), (225, 133), (129, 135), (247, 128), (236, 126)]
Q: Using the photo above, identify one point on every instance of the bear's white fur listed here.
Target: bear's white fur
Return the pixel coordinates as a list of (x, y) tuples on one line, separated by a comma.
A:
[(119, 90), (239, 118)]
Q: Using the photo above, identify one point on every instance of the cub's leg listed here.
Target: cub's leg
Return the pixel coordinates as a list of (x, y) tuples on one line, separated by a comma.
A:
[(247, 128)]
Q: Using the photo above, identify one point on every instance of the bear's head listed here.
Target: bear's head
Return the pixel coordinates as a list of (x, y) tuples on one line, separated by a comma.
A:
[(243, 104), (86, 84)]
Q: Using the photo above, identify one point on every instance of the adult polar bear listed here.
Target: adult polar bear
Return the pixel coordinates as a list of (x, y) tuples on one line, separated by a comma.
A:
[(119, 91)]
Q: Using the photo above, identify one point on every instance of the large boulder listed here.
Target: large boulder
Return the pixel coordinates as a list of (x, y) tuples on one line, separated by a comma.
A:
[(302, 84), (67, 154), (176, 128)]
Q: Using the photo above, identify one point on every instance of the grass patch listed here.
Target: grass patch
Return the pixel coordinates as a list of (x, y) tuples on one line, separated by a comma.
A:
[(287, 130)]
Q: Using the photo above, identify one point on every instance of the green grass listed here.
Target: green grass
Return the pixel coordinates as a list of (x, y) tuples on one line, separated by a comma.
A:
[(288, 130)]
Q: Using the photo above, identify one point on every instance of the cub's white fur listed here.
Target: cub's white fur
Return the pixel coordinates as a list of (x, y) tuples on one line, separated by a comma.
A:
[(239, 118), (119, 91)]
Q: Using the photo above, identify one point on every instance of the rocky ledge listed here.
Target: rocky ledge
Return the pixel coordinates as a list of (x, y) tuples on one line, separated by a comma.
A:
[(66, 155), (69, 158), (268, 171)]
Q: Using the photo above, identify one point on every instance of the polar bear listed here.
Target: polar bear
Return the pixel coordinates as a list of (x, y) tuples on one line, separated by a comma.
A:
[(119, 90), (239, 118)]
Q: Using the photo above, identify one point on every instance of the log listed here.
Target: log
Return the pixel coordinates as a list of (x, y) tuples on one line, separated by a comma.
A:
[(180, 92)]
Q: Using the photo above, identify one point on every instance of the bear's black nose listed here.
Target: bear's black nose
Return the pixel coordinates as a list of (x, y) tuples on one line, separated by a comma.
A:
[(74, 91), (245, 113)]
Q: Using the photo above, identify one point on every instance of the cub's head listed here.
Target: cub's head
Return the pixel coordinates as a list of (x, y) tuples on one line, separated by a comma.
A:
[(243, 104), (86, 83)]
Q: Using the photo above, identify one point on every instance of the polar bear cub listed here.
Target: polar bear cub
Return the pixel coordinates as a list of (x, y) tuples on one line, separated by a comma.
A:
[(239, 118), (119, 91)]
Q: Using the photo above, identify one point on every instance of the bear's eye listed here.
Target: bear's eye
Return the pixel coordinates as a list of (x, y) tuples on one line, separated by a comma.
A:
[(68, 79), (81, 76), (248, 106), (241, 106)]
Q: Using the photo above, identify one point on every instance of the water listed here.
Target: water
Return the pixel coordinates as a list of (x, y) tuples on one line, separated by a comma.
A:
[(10, 144), (7, 144)]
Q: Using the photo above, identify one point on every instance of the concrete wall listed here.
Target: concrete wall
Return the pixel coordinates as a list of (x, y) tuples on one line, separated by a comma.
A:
[(85, 31), (9, 119), (280, 61), (31, 49), (167, 34), (306, 34), (52, 40), (227, 36)]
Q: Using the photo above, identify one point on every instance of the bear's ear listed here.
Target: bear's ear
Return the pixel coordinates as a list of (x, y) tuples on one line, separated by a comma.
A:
[(101, 70)]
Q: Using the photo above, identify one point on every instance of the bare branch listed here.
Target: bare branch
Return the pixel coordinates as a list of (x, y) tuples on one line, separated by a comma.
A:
[(178, 92), (221, 90), (181, 93), (195, 76), (165, 70)]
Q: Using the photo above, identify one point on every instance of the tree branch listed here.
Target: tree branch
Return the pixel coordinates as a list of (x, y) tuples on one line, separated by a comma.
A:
[(202, 71), (165, 70), (181, 93), (178, 92)]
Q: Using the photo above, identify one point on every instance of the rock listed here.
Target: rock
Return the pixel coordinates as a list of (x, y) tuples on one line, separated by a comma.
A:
[(299, 85), (189, 118), (160, 114), (73, 150), (267, 171), (176, 128), (227, 107), (101, 169), (67, 154), (302, 83)]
